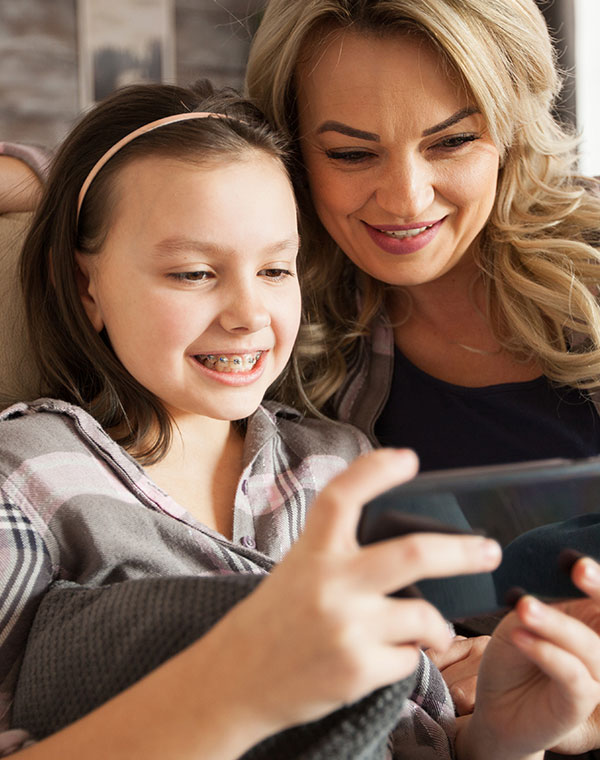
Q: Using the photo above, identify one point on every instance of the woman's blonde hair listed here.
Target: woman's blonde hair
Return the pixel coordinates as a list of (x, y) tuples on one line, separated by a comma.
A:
[(537, 252)]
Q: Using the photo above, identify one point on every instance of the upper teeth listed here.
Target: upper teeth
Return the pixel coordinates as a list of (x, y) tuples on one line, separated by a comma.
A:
[(229, 363), (406, 233)]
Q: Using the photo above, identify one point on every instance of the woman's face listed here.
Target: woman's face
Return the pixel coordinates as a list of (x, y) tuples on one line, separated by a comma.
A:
[(401, 167)]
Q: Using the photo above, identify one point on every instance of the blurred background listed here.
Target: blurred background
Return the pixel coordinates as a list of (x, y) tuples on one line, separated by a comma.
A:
[(57, 56), (48, 48)]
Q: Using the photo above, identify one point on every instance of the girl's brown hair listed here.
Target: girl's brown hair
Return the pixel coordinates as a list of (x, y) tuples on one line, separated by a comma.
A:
[(76, 363)]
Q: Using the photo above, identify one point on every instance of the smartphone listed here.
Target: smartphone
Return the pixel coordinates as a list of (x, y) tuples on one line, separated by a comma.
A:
[(534, 509)]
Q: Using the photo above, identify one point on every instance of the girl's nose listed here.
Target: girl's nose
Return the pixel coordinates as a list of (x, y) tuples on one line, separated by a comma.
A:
[(405, 188), (245, 311)]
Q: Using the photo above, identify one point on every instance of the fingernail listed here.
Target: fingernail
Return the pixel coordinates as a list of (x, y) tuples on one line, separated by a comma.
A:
[(567, 558), (591, 571), (513, 595), (534, 609), (491, 550)]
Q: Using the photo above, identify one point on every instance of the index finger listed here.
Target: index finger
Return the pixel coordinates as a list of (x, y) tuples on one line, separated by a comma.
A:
[(333, 518), (586, 576), (397, 562)]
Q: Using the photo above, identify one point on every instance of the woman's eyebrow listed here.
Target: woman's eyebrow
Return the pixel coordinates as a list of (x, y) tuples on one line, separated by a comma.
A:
[(360, 134), (344, 129), (456, 117)]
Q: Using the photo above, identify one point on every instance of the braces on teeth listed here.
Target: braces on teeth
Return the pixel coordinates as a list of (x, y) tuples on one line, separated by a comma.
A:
[(235, 363)]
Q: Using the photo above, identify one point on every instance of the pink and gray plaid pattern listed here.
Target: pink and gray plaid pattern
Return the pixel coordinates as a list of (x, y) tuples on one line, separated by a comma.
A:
[(75, 505)]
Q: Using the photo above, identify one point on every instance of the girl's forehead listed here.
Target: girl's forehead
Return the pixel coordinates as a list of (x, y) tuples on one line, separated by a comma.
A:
[(160, 198), (156, 174)]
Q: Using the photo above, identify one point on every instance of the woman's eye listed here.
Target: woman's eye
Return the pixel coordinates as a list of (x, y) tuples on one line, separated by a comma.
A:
[(276, 274), (349, 156), (197, 276), (456, 141)]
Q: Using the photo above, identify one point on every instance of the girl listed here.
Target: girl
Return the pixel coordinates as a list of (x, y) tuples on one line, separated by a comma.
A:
[(162, 301)]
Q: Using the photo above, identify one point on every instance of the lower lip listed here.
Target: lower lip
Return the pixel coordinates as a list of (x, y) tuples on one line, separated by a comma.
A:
[(402, 246), (234, 379)]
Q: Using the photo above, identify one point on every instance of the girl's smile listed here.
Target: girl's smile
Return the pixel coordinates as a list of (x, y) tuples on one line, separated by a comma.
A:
[(240, 368), (204, 310)]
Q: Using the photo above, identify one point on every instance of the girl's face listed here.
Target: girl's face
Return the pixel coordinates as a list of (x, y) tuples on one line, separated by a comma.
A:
[(196, 282), (401, 167)]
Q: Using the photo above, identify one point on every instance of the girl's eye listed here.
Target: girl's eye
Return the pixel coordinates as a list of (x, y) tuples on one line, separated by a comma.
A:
[(455, 141), (197, 276), (349, 156), (276, 274)]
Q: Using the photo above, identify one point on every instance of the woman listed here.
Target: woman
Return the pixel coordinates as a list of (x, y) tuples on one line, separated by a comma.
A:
[(449, 247), (466, 326)]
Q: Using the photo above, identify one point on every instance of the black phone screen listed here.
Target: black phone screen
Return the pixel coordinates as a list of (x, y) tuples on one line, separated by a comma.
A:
[(534, 509)]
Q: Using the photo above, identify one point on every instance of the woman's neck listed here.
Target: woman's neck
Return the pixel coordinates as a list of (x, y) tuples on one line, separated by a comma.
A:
[(202, 469), (443, 328), (453, 307), (459, 291)]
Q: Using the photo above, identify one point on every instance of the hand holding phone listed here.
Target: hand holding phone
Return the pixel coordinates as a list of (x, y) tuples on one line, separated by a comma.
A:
[(456, 597), (534, 509)]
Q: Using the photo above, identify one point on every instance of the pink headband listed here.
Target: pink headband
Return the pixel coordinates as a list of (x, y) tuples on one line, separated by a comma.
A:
[(136, 133)]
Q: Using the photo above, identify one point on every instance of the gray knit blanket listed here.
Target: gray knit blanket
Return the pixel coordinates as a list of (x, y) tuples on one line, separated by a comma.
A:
[(89, 644)]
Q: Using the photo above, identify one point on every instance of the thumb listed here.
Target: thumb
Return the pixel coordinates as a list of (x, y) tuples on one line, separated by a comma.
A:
[(334, 516)]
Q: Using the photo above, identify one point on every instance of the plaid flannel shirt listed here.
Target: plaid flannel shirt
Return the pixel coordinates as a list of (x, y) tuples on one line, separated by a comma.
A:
[(76, 506)]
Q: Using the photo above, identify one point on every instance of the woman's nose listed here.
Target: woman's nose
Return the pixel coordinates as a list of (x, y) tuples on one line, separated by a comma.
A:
[(405, 188), (245, 310)]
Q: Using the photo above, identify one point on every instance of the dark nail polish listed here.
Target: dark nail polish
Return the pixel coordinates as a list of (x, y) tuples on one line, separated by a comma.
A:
[(513, 595), (567, 558)]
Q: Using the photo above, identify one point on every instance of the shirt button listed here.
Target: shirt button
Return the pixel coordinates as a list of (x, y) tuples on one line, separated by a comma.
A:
[(248, 542)]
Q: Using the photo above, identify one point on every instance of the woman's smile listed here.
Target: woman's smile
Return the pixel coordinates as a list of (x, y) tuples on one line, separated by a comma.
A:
[(403, 239)]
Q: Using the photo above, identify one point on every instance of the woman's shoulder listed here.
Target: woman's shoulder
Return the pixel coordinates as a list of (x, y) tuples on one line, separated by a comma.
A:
[(34, 156)]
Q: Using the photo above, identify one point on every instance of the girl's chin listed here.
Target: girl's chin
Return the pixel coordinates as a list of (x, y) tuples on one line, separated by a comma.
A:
[(213, 414)]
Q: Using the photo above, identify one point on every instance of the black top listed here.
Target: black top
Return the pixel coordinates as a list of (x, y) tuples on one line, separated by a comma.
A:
[(453, 426)]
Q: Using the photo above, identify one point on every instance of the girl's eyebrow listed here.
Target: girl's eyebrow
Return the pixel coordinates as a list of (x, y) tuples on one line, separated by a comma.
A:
[(346, 129), (174, 246), (170, 247)]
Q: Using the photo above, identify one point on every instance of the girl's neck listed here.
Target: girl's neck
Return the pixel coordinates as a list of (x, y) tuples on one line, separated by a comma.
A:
[(202, 469)]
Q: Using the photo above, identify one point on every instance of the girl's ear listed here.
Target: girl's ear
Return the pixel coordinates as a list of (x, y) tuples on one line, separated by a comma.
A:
[(86, 284)]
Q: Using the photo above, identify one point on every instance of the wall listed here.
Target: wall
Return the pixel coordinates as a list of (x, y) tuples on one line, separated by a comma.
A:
[(38, 57), (38, 54)]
